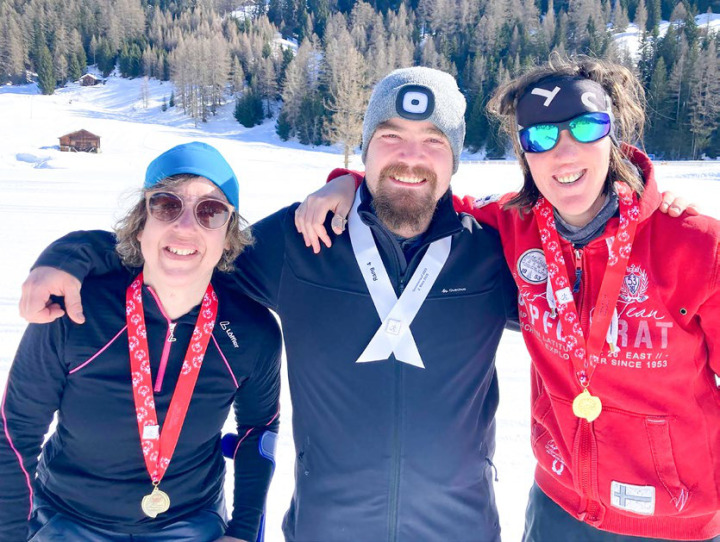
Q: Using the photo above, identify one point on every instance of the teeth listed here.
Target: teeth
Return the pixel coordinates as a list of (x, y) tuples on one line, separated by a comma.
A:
[(409, 180), (567, 179), (181, 251)]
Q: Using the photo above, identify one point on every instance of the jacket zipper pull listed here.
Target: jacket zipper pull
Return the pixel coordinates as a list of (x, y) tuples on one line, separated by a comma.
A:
[(578, 270), (171, 338)]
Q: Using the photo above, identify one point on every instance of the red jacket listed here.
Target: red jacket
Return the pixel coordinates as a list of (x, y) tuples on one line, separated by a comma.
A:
[(649, 465)]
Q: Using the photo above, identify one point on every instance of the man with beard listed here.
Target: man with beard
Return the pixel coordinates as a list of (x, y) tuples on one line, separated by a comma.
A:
[(390, 335)]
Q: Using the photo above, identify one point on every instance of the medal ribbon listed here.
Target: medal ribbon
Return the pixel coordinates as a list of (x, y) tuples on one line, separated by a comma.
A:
[(394, 335), (158, 447), (586, 355)]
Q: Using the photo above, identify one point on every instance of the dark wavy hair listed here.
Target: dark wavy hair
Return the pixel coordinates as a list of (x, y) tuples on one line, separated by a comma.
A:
[(628, 99), (238, 235)]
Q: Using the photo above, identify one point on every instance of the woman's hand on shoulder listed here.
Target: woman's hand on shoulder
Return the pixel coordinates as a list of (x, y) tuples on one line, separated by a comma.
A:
[(336, 196)]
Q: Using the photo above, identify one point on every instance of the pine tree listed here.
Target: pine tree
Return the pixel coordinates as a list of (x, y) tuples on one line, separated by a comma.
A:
[(641, 16), (657, 108), (620, 19), (347, 86), (249, 109), (12, 47), (45, 71), (704, 99)]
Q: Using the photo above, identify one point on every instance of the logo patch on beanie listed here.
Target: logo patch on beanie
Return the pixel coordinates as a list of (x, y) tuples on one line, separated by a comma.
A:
[(415, 102)]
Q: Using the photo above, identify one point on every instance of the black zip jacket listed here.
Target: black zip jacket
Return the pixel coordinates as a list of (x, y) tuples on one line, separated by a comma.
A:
[(92, 468), (385, 451)]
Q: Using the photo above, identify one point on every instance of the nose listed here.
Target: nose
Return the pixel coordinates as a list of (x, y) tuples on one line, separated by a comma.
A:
[(186, 218), (413, 152), (566, 147)]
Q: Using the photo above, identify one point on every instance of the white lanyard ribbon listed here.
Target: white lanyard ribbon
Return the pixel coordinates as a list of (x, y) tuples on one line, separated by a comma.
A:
[(394, 335)]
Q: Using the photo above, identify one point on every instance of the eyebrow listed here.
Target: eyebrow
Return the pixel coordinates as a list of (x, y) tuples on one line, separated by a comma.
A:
[(391, 125)]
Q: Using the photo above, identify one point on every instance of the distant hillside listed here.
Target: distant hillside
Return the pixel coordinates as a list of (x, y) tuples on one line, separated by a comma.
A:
[(311, 63)]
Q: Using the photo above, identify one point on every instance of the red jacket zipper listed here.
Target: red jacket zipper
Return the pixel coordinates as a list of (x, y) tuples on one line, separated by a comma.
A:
[(584, 459)]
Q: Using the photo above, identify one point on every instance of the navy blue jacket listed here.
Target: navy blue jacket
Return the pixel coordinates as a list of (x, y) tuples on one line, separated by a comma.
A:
[(385, 451), (92, 468)]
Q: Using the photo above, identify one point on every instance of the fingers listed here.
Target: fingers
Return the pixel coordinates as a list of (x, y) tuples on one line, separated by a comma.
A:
[(692, 210), (35, 305), (73, 303), (309, 221), (340, 219), (675, 206)]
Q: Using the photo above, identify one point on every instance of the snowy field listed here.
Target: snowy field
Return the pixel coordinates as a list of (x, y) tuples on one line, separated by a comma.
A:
[(45, 193)]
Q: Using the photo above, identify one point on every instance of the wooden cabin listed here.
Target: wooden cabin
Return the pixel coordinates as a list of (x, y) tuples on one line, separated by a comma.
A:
[(80, 141), (89, 80)]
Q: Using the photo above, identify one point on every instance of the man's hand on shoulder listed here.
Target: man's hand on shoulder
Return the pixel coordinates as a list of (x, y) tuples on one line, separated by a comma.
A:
[(35, 304)]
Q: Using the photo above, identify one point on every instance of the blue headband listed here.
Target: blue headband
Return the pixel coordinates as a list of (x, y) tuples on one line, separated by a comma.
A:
[(195, 159)]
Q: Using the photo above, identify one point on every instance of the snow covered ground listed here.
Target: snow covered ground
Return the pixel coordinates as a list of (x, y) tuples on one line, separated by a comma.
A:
[(630, 38), (45, 193)]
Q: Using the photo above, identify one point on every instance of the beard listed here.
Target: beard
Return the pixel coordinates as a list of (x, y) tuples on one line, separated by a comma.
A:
[(402, 209)]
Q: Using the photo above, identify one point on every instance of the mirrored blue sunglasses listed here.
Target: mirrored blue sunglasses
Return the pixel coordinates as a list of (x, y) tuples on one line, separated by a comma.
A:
[(585, 128)]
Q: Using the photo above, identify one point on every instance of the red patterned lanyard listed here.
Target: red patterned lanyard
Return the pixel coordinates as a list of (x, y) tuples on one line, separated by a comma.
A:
[(585, 355), (158, 447)]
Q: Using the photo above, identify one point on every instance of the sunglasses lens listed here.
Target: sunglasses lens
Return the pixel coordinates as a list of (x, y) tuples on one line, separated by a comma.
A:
[(590, 127), (212, 214), (539, 138), (165, 206)]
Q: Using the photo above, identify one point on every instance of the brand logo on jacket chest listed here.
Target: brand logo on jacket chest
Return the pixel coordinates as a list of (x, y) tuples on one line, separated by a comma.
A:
[(225, 326)]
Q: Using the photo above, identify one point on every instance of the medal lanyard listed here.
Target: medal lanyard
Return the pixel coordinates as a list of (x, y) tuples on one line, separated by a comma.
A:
[(585, 355), (158, 446)]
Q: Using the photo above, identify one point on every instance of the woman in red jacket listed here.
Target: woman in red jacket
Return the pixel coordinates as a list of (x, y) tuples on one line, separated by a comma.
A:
[(620, 310)]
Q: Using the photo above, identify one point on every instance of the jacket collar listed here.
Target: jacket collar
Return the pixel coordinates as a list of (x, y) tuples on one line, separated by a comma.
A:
[(651, 199)]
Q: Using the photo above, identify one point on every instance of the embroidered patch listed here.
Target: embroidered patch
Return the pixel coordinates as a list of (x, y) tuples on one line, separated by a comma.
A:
[(532, 267), (482, 202), (637, 499), (634, 285)]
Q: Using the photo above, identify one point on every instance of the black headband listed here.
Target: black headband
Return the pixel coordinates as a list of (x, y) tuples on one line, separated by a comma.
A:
[(561, 98)]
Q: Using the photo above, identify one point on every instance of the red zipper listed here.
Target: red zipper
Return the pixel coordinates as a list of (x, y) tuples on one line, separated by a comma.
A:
[(585, 463), (585, 466)]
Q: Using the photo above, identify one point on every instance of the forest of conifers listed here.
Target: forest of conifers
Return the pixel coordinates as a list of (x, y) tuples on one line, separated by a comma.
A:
[(220, 51)]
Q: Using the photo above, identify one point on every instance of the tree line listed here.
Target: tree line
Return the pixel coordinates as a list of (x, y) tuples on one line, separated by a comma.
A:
[(215, 51)]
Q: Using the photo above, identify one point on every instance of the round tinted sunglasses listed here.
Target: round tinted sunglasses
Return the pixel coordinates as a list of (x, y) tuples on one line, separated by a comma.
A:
[(211, 214), (585, 128)]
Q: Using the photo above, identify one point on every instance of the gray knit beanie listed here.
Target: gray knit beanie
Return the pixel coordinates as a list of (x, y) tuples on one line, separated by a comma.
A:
[(418, 94)]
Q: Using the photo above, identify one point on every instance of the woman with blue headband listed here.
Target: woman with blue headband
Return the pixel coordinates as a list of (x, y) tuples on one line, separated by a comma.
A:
[(143, 389), (620, 311)]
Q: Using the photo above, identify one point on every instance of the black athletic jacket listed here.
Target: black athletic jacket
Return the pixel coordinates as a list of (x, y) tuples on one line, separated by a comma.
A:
[(385, 451), (92, 467)]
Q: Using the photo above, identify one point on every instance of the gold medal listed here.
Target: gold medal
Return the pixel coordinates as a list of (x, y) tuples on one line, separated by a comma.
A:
[(155, 503), (587, 406)]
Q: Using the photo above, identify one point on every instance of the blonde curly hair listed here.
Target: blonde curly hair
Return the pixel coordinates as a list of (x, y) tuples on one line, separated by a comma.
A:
[(628, 102), (237, 237)]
